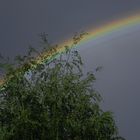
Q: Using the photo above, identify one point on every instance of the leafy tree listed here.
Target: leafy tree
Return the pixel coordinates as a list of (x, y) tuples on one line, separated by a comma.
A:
[(52, 100)]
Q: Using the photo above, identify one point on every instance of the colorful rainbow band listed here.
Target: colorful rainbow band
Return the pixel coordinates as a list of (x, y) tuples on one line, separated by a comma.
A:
[(95, 33), (92, 34)]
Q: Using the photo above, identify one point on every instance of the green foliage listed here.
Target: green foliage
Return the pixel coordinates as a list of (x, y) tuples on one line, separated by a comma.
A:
[(53, 101)]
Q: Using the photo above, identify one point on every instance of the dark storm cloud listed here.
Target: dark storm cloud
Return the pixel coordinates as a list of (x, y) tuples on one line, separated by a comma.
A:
[(22, 20)]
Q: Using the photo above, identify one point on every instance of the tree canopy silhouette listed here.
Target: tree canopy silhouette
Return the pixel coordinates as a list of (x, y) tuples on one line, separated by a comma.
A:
[(53, 100)]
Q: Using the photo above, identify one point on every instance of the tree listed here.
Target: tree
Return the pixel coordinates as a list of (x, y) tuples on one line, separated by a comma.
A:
[(52, 100)]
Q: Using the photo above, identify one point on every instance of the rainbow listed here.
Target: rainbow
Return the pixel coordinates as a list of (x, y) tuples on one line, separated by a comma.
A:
[(93, 34)]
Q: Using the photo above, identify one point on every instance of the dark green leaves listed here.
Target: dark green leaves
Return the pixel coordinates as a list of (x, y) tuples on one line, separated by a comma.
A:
[(53, 101)]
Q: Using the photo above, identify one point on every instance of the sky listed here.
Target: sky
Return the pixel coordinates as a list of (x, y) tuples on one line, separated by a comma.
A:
[(21, 22)]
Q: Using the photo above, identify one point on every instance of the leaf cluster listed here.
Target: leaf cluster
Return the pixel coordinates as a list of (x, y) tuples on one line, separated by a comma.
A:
[(53, 101)]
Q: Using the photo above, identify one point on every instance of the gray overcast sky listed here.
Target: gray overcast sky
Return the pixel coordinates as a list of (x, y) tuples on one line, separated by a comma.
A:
[(22, 20), (118, 82)]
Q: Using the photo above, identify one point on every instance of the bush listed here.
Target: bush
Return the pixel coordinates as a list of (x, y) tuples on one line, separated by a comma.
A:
[(53, 100)]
